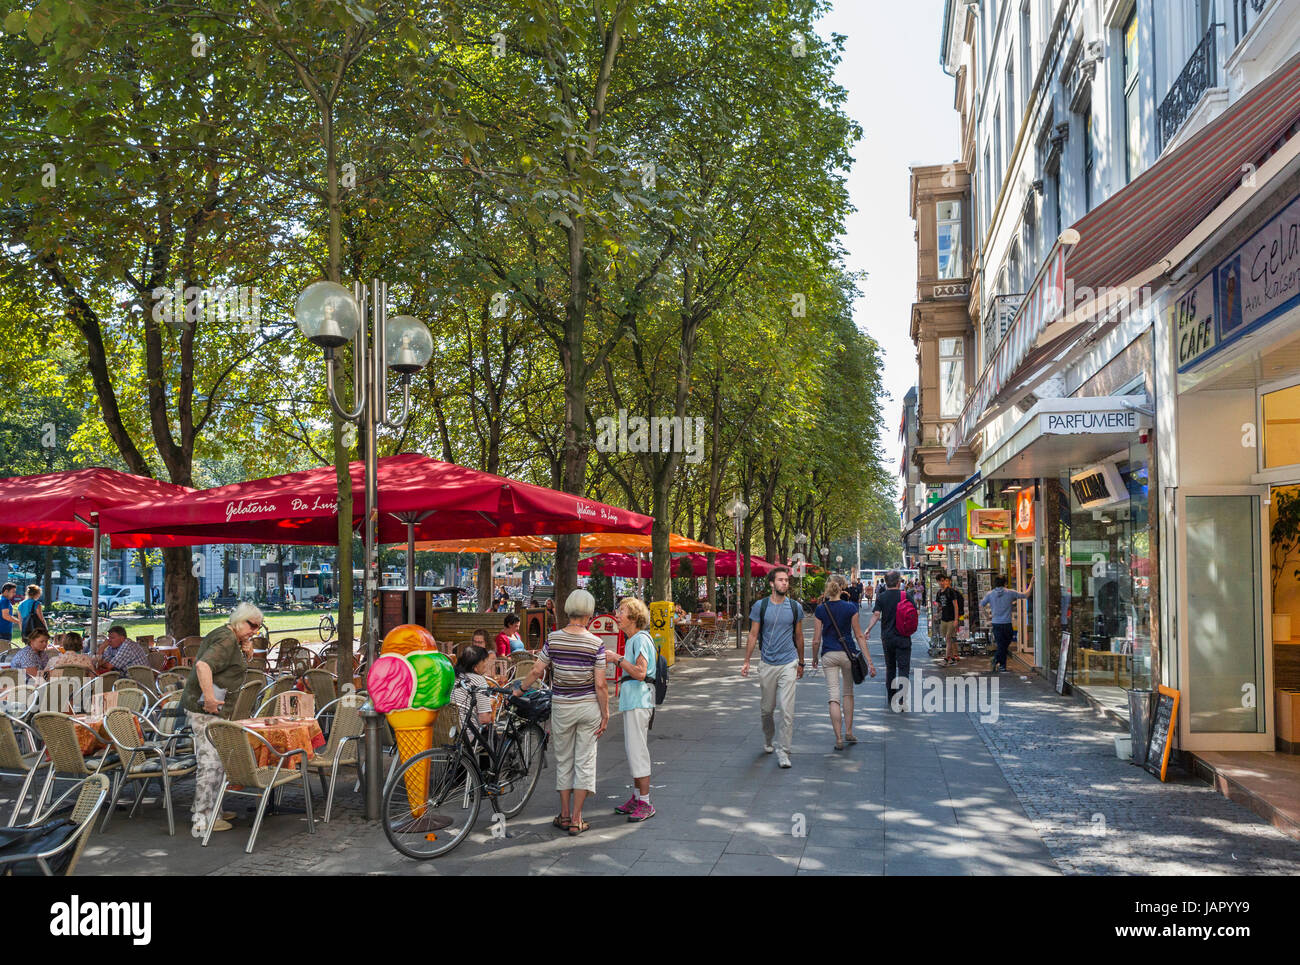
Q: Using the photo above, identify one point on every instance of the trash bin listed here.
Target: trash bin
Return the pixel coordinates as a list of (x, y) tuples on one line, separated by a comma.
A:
[(1141, 709)]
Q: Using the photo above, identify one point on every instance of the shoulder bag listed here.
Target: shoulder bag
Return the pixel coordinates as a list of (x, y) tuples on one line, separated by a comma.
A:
[(857, 659)]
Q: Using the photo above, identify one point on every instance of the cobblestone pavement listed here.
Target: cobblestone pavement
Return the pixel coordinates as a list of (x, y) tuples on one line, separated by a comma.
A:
[(1036, 791)]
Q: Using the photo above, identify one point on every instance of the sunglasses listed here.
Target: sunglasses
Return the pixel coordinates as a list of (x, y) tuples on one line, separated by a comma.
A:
[(254, 626)]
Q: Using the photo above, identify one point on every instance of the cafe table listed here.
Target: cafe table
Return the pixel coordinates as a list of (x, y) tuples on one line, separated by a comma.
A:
[(284, 734), (93, 737)]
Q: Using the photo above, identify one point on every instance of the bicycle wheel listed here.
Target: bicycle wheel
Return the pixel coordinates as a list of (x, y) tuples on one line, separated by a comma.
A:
[(519, 768), (431, 802), (326, 628)]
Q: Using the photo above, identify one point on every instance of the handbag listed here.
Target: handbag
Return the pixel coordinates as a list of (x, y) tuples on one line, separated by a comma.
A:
[(857, 659)]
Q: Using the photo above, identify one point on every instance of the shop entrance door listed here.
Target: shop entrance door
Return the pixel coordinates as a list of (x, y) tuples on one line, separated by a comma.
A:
[(1226, 675), (1024, 608)]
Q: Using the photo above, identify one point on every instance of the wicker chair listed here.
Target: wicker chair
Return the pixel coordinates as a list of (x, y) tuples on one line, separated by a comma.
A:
[(19, 700), (232, 745), (15, 762), (170, 680), (269, 694), (109, 678), (165, 640), (59, 732), (189, 650), (322, 686), (157, 661), (144, 761), (146, 677), (253, 675), (66, 672), (242, 707), (170, 723), (11, 676), (343, 747), (91, 793), (131, 695)]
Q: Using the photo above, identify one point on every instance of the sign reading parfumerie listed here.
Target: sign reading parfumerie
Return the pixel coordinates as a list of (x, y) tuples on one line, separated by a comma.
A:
[(1105, 420)]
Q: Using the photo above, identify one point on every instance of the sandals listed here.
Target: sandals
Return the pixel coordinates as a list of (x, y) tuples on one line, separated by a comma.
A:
[(850, 739), (577, 829), (839, 745), (562, 822)]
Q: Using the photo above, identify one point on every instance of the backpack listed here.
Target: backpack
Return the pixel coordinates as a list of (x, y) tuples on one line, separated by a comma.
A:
[(762, 616), (905, 616), (660, 679)]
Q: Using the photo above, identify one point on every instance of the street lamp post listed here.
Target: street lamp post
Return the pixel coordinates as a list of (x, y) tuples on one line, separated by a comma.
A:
[(825, 552), (738, 512), (330, 317)]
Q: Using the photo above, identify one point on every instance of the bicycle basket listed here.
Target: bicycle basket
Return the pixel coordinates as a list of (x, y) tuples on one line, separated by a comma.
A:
[(534, 706)]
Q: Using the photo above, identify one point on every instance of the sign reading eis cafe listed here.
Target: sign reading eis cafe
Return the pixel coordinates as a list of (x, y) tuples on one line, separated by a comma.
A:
[(1248, 289)]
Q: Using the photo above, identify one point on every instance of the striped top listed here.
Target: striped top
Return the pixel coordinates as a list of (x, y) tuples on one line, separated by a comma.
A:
[(576, 658)]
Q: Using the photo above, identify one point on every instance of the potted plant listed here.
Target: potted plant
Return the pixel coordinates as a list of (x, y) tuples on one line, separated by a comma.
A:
[(1284, 543)]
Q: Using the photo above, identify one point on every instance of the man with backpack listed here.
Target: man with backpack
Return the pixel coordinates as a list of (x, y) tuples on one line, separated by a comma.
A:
[(776, 621), (897, 617)]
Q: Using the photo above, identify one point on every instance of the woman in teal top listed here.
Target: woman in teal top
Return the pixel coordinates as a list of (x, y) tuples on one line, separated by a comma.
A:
[(636, 701), (30, 611)]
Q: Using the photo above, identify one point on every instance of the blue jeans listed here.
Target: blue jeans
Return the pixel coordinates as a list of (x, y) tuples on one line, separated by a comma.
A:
[(1002, 637)]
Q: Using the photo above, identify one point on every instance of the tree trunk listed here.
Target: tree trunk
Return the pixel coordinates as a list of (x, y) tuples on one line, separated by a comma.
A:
[(180, 592), (484, 582)]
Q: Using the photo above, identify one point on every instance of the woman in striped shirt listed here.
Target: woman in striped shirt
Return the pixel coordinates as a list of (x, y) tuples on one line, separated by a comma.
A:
[(579, 706)]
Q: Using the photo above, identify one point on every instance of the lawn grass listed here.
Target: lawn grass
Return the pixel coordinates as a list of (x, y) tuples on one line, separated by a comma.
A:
[(303, 622)]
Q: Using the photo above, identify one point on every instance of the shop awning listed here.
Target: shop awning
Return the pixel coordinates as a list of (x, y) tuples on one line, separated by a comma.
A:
[(964, 487), (1126, 241), (1058, 434)]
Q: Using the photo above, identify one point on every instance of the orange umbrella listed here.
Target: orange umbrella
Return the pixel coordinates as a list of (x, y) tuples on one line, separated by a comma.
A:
[(620, 543), (495, 544)]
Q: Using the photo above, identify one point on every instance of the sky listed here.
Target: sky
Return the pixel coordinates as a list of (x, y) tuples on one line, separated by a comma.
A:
[(902, 99)]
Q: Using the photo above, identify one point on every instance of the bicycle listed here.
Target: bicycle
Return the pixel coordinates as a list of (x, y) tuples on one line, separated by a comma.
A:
[(326, 628), (432, 802)]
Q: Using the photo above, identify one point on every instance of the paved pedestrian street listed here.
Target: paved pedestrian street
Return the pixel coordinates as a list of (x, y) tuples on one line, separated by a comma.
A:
[(1039, 791)]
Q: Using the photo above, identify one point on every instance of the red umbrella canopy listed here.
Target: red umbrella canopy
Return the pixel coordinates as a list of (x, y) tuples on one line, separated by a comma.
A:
[(726, 564), (43, 509), (446, 501), (621, 564)]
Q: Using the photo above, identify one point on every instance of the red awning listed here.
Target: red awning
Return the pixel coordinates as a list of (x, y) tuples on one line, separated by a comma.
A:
[(446, 501), (43, 509), (1144, 221)]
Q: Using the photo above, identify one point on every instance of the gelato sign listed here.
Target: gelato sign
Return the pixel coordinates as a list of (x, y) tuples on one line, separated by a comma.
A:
[(1247, 290)]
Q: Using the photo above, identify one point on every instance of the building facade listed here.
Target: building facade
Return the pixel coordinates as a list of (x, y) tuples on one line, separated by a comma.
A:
[(1134, 343)]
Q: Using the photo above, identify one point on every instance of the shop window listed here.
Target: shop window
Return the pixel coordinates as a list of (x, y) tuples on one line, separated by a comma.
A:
[(952, 377), (1106, 570), (948, 218), (1281, 411)]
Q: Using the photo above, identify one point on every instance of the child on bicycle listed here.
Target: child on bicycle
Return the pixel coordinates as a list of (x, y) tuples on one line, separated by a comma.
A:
[(471, 671)]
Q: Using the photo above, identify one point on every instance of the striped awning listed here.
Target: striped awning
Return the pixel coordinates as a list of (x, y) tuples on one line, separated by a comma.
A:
[(1140, 224)]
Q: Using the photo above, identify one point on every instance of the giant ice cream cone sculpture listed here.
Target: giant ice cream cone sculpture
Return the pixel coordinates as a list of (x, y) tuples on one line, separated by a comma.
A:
[(414, 731), (411, 686)]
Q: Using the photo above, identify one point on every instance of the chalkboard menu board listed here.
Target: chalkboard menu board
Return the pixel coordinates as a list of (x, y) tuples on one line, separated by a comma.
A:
[(1061, 685), (1163, 724)]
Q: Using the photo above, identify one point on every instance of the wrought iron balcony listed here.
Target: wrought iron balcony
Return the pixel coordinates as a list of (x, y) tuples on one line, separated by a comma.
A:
[(1244, 15), (1001, 313), (1199, 74)]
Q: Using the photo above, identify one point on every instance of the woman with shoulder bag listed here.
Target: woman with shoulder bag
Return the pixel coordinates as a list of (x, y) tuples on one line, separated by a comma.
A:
[(833, 642)]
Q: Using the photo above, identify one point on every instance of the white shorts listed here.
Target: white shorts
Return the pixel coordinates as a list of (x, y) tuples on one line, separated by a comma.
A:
[(636, 740)]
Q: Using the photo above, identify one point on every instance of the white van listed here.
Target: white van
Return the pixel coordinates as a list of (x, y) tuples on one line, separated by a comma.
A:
[(79, 595)]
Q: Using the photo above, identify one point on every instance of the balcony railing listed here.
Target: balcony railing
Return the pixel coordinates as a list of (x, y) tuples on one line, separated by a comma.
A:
[(1001, 313), (1199, 74), (1244, 15)]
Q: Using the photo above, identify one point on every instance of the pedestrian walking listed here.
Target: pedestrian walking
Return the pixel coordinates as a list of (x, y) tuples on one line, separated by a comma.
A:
[(579, 706), (636, 702), (836, 638), (8, 619), (952, 613), (30, 614), (777, 621), (219, 667), (897, 646), (999, 602)]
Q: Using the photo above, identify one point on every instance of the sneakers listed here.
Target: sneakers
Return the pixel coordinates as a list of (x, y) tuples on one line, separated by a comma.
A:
[(627, 807), (641, 811), (782, 759), (768, 748)]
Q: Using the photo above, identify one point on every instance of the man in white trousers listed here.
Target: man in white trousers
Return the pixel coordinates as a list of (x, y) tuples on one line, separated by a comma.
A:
[(776, 624)]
